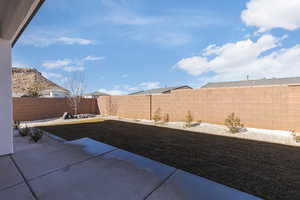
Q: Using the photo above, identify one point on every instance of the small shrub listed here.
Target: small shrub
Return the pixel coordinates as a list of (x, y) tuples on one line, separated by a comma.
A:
[(166, 118), (157, 115), (233, 123), (296, 136), (17, 125), (36, 134), (188, 119), (24, 131)]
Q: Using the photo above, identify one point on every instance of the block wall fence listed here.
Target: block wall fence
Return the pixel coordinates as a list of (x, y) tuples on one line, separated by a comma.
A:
[(269, 107), (28, 109)]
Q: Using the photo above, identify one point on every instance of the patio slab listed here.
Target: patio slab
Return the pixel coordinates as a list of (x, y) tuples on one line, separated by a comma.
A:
[(9, 175), (39, 161), (86, 169), (17, 192), (119, 175), (186, 186)]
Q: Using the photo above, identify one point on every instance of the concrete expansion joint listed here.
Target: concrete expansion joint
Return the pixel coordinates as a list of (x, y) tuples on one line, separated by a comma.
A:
[(24, 178), (159, 185)]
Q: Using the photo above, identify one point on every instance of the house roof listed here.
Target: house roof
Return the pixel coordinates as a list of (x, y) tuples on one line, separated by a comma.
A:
[(260, 82), (97, 94), (161, 90)]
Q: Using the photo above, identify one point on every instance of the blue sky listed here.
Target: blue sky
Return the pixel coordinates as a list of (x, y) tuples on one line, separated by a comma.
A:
[(122, 46)]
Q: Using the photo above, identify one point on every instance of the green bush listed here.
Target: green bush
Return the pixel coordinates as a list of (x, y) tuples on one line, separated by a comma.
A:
[(36, 134), (16, 125), (233, 123), (188, 119), (24, 131), (157, 115)]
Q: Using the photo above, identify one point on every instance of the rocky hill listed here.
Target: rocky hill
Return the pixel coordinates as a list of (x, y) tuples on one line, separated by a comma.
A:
[(24, 78)]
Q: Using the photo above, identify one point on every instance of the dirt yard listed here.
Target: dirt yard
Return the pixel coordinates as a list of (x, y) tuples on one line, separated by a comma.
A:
[(267, 170)]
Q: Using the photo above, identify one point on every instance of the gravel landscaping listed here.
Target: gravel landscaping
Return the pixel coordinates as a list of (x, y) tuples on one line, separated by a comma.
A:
[(265, 135)]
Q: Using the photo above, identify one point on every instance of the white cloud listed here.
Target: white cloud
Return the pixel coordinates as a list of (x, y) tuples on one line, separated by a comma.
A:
[(149, 85), (50, 75), (73, 40), (93, 58), (70, 65), (126, 89), (269, 14), (194, 65), (141, 86), (130, 18), (73, 68), (67, 65), (40, 40), (124, 75), (113, 92), (56, 64), (234, 61)]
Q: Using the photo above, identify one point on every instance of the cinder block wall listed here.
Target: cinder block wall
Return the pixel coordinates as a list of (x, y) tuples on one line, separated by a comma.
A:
[(27, 109), (270, 107), (137, 107)]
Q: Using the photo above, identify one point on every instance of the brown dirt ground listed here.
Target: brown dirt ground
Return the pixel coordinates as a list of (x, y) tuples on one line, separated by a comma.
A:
[(270, 171)]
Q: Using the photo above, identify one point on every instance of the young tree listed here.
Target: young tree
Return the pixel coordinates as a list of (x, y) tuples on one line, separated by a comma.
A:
[(188, 119), (157, 115), (233, 123), (75, 83)]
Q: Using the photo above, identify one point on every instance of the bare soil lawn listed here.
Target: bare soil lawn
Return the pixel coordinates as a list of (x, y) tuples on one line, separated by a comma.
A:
[(270, 171)]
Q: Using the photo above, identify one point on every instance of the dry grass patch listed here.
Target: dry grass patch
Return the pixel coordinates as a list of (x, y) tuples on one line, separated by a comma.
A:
[(81, 121)]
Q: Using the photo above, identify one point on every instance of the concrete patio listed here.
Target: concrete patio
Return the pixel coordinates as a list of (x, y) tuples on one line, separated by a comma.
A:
[(87, 169)]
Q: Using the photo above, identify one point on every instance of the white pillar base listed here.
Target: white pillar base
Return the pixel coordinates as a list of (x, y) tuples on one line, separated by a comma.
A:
[(6, 132)]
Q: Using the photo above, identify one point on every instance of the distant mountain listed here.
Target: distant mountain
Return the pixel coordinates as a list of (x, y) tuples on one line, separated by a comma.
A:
[(24, 78)]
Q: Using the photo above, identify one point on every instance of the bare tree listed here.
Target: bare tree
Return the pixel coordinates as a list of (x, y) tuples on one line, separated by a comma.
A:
[(75, 83)]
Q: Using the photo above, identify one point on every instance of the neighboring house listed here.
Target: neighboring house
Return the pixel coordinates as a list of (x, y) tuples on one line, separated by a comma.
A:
[(260, 82), (95, 95), (18, 94), (24, 78), (54, 92), (164, 90)]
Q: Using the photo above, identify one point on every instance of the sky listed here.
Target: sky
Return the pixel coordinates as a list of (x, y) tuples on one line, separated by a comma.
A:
[(123, 46)]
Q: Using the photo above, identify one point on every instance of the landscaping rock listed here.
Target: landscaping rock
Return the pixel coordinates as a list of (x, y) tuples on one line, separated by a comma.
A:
[(67, 115)]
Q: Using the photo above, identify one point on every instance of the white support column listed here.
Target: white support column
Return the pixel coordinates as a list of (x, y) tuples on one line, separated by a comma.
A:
[(6, 132)]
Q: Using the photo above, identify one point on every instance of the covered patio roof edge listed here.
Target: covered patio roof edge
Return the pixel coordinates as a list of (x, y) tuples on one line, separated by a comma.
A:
[(27, 21)]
